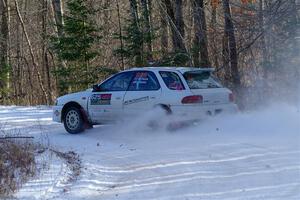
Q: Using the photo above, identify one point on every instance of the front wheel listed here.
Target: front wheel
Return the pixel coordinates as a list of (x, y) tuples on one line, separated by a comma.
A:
[(73, 121)]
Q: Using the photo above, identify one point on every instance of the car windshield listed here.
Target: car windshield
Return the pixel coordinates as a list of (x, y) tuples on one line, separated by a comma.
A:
[(201, 80)]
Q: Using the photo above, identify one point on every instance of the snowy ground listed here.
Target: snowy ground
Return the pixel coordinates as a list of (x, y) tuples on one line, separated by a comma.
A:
[(254, 155)]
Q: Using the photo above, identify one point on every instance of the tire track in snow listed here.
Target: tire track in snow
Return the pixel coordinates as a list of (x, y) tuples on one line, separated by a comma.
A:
[(134, 184), (139, 175), (192, 162), (175, 178), (240, 191)]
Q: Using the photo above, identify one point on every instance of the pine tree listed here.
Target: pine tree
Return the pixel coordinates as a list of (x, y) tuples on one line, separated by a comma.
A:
[(75, 47), (137, 37)]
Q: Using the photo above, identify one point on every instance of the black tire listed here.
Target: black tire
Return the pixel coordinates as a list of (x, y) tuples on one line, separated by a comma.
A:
[(73, 121), (156, 124), (167, 110)]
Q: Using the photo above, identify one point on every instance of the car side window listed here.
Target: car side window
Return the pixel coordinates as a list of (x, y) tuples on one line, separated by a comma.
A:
[(119, 82), (144, 81), (172, 80)]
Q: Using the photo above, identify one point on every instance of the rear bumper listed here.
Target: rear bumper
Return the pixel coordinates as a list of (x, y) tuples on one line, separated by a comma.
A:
[(199, 111), (57, 113)]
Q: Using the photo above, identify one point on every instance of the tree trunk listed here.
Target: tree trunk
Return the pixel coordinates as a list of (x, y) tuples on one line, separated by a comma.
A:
[(139, 58), (44, 49), (28, 80), (58, 12), (146, 5), (58, 16), (120, 35), (176, 23), (230, 34), (34, 62), (19, 73), (214, 36), (233, 56), (263, 46), (179, 26), (164, 41), (200, 41), (4, 46)]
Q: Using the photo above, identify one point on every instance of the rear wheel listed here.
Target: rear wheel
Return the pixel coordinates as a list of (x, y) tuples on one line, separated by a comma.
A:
[(167, 110), (73, 121), (162, 117)]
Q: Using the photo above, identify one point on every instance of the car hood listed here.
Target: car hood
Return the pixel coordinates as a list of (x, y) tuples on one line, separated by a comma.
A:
[(78, 96)]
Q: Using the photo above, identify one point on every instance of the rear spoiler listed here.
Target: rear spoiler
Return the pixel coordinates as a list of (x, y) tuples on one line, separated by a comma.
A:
[(211, 70), (194, 70)]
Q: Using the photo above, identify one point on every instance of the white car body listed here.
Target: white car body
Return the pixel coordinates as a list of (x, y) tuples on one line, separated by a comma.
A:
[(102, 107)]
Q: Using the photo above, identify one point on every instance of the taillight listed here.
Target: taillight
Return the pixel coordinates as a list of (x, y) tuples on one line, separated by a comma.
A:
[(231, 97), (192, 99)]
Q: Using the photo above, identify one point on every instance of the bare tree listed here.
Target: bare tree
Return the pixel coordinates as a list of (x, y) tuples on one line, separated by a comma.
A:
[(179, 26), (33, 58), (58, 15), (146, 6), (164, 41), (230, 44), (258, 37), (200, 40), (176, 22), (121, 34), (5, 43), (213, 24), (45, 60)]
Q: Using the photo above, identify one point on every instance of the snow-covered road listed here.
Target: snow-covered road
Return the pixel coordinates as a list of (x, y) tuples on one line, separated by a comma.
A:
[(254, 155)]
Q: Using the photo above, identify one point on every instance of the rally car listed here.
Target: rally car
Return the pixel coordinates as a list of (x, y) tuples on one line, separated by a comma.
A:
[(184, 92)]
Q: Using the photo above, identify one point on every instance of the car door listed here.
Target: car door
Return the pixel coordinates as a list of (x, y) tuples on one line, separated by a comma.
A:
[(143, 93), (106, 102)]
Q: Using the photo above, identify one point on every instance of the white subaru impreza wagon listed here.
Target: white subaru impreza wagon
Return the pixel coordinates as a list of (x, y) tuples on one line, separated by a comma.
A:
[(184, 92)]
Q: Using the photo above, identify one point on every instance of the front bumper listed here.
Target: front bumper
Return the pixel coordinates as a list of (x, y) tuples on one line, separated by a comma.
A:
[(57, 113)]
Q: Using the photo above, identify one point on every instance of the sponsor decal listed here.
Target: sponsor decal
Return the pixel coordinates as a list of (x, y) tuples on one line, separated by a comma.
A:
[(132, 101), (101, 99)]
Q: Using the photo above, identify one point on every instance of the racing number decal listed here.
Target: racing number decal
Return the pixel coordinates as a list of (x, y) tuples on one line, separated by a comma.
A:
[(140, 78), (101, 99)]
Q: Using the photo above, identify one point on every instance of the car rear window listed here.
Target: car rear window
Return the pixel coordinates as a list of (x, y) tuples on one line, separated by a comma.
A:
[(201, 80), (172, 80)]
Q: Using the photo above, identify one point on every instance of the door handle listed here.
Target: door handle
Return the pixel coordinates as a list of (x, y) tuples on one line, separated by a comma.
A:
[(152, 97), (118, 98)]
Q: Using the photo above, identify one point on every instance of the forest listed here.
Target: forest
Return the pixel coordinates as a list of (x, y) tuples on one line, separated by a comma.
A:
[(52, 47)]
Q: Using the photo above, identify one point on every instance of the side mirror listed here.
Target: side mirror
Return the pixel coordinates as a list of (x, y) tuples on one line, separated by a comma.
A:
[(96, 88)]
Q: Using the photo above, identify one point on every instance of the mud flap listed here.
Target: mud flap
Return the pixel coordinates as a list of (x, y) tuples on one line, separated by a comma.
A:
[(87, 124)]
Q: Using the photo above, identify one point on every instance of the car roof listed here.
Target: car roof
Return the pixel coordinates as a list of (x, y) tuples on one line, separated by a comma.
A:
[(179, 69)]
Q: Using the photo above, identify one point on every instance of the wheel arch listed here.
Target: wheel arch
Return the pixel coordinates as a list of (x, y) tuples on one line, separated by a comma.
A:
[(165, 107), (69, 105)]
